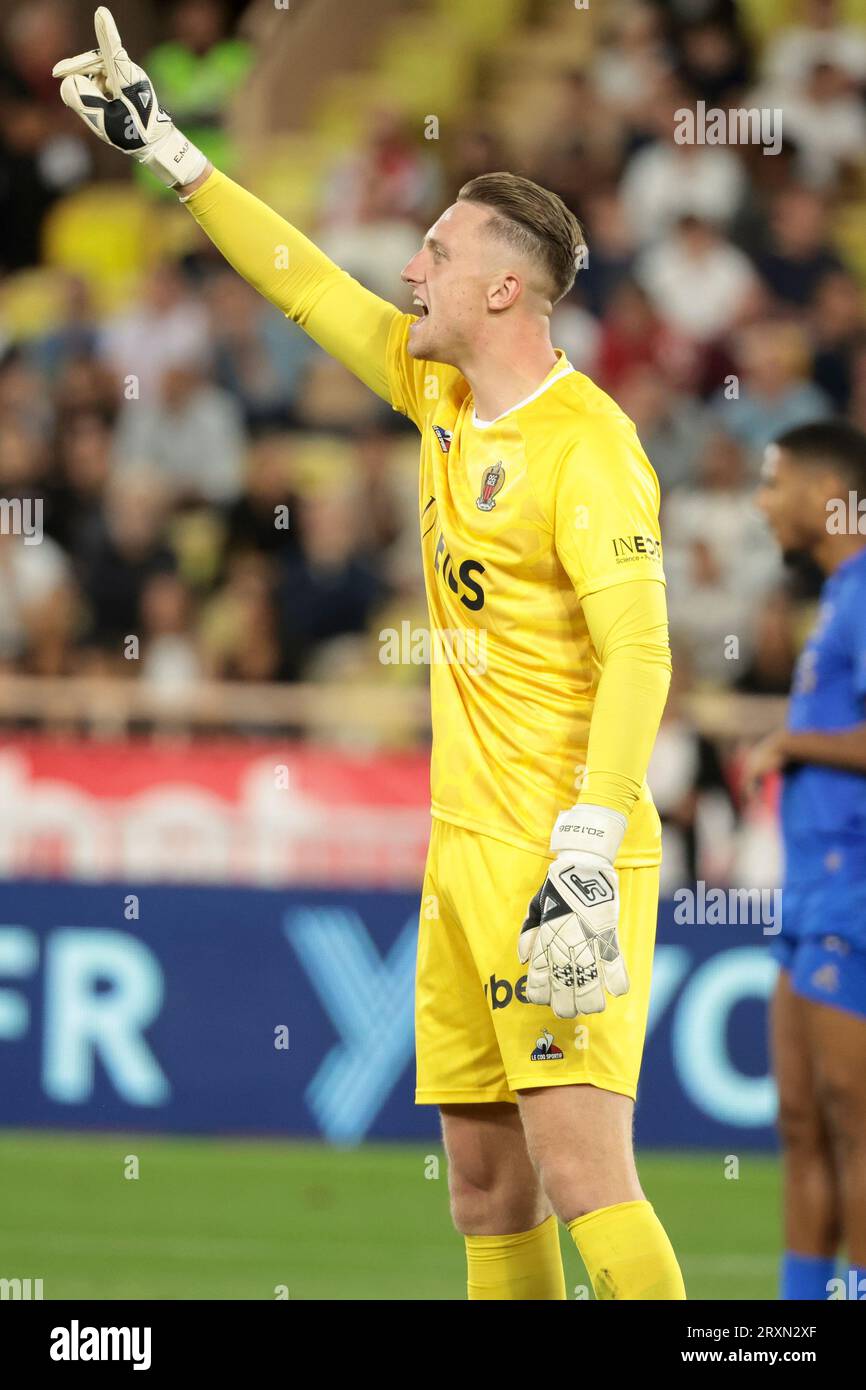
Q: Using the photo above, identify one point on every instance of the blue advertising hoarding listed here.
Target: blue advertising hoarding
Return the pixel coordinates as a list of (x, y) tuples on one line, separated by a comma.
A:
[(215, 1011)]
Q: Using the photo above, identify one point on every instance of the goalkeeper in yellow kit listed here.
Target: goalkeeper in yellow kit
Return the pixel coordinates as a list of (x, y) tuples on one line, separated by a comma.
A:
[(539, 530)]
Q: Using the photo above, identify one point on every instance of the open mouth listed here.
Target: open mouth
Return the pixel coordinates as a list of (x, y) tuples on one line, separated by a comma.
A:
[(423, 311)]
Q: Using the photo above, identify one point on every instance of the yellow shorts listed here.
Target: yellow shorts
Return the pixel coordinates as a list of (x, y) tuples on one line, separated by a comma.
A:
[(476, 1036)]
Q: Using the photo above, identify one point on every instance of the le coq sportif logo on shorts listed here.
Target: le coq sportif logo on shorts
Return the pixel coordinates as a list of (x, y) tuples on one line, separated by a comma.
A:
[(546, 1050)]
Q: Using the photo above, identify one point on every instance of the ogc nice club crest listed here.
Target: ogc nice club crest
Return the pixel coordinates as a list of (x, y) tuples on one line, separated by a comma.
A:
[(490, 484)]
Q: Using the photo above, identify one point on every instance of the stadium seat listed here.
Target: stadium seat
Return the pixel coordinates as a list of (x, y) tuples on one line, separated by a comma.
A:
[(31, 303), (286, 172), (130, 237)]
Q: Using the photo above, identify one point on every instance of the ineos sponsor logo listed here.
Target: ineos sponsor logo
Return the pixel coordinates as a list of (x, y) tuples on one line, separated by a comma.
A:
[(627, 548)]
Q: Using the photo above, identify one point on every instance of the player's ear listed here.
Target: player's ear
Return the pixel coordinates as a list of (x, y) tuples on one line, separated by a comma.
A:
[(503, 292)]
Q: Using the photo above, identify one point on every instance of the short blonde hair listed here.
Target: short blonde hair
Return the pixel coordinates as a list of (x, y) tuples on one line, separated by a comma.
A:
[(532, 220)]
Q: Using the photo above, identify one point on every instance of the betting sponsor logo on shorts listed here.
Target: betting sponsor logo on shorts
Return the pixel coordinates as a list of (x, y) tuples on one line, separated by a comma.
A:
[(501, 992)]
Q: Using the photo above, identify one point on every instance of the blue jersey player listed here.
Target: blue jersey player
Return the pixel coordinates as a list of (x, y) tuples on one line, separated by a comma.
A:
[(814, 478)]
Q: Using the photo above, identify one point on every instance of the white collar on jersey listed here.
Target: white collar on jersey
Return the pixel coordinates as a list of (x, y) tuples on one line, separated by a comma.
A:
[(545, 385)]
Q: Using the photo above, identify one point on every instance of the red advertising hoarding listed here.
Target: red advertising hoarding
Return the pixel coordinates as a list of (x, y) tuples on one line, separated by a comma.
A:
[(211, 812)]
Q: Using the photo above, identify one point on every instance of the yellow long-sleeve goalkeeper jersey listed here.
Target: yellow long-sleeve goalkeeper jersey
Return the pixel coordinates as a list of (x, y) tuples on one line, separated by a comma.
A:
[(541, 550)]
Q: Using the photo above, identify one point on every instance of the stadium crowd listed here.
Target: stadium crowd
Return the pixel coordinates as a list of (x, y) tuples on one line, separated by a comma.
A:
[(722, 301)]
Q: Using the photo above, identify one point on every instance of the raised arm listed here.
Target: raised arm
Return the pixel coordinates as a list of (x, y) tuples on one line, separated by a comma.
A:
[(116, 100), (343, 317)]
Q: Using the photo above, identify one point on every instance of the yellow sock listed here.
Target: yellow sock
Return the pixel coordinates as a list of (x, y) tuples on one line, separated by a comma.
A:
[(523, 1266), (627, 1253)]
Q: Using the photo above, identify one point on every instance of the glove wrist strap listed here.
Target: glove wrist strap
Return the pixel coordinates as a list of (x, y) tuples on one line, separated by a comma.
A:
[(174, 159), (589, 830)]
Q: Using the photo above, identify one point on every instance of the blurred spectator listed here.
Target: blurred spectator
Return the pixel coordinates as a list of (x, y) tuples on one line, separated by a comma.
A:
[(240, 630), (797, 255), (38, 611), (77, 331), (84, 456), (331, 589), (375, 205), (334, 399), (125, 549), (197, 72), (768, 176), (580, 140), (634, 55), (610, 249), (720, 506), (700, 284), (382, 519), (192, 437), (389, 178), (706, 613), (672, 427), (23, 396), (259, 357), (478, 148), (824, 116), (719, 561), (714, 60), (821, 37), (576, 331), (23, 458), (774, 392), (85, 384), (253, 519), (169, 657), (632, 335), (167, 327), (771, 666), (857, 402), (42, 152), (375, 252), (838, 329), (664, 181), (690, 792)]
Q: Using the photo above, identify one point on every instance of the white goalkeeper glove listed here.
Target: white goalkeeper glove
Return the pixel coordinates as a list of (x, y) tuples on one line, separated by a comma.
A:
[(569, 937), (116, 97)]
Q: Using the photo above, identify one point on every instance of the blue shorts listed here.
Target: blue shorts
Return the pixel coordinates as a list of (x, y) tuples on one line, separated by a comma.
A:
[(826, 970), (822, 944)]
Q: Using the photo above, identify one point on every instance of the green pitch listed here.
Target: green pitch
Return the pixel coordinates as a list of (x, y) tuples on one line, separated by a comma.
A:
[(222, 1219)]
